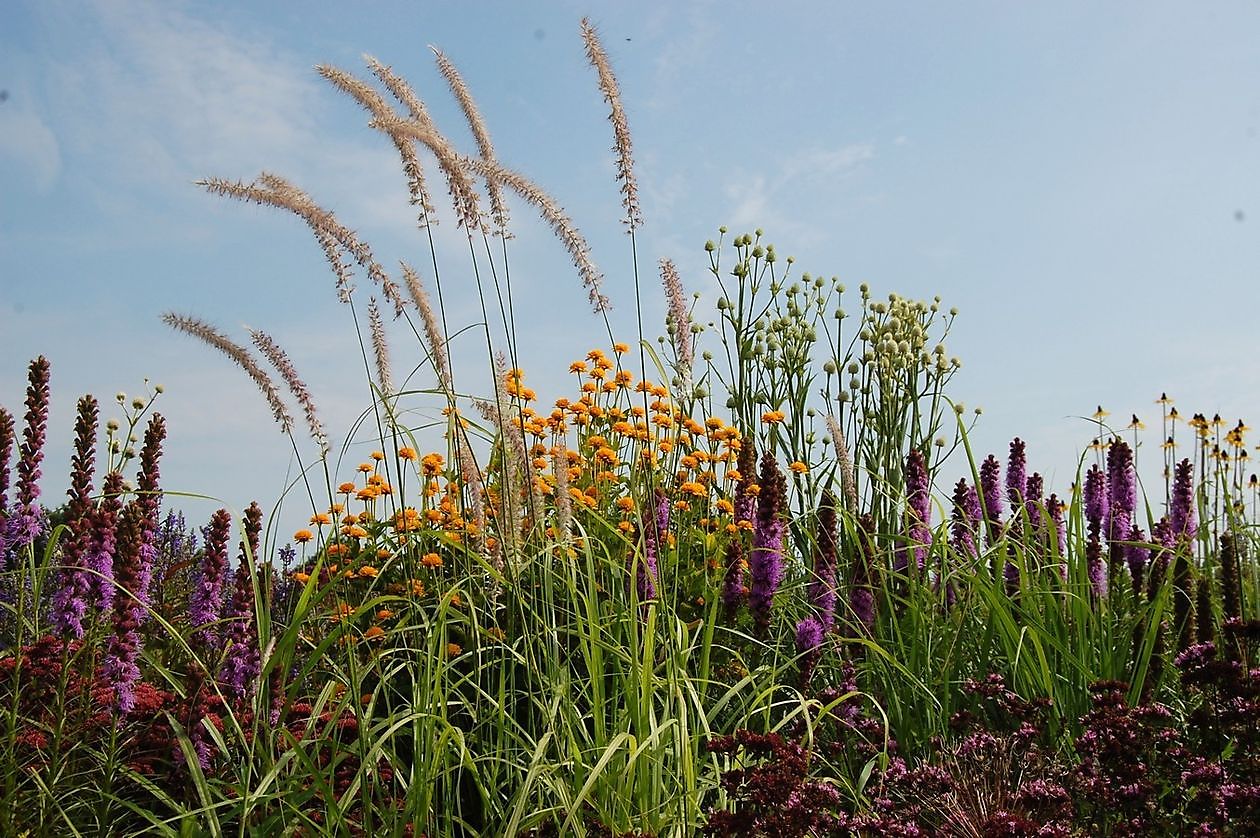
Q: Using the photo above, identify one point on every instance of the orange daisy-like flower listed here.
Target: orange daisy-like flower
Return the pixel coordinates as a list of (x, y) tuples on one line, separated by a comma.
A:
[(453, 650), (578, 367), (773, 416), (303, 536), (374, 633), (407, 452), (798, 467), (384, 614), (621, 348), (377, 455), (432, 464), (625, 526), (368, 571), (301, 578), (346, 488), (431, 560), (336, 549), (417, 587), (366, 467), (321, 518)]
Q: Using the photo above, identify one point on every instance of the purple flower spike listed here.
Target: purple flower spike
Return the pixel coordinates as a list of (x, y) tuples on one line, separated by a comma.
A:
[(809, 639), (1122, 490), (1181, 511), (70, 603), (991, 493), (918, 513), (822, 588), (861, 576), (120, 665), (965, 519), (6, 454), (733, 591), (243, 660), (1096, 498), (100, 556), (25, 523), (1137, 556), (1016, 477), (647, 564), (206, 598), (765, 564)]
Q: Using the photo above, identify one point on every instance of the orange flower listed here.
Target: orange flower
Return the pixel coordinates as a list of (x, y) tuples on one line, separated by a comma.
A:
[(621, 348), (368, 571), (577, 367), (625, 526), (417, 587), (407, 453), (625, 504), (453, 650), (798, 467), (301, 578), (432, 464), (303, 536), (772, 417), (336, 549), (346, 488), (366, 467), (320, 519), (384, 614), (431, 560), (374, 633), (377, 455)]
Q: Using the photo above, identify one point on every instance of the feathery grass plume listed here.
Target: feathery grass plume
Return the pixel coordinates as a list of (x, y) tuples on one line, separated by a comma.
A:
[(498, 208), (621, 128), (561, 225), (432, 327), (464, 197), (208, 334), (280, 361), (383, 115), (380, 348), (417, 187), (206, 597), (678, 322), (70, 603), (273, 190), (848, 485)]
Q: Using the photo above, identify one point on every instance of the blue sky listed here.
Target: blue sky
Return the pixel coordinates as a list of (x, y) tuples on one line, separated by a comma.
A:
[(1080, 181)]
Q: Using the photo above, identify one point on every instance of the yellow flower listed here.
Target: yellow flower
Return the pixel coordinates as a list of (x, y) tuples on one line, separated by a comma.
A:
[(773, 416), (798, 467), (1100, 414), (303, 536)]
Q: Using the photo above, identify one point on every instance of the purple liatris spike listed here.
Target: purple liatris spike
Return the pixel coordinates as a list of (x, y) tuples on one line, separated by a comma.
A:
[(206, 597), (822, 588), (120, 665), (861, 577), (25, 523), (102, 542), (1016, 477), (1181, 510), (1058, 528), (734, 593), (765, 564), (965, 519), (991, 494), (1096, 498), (150, 500), (6, 454), (647, 565), (918, 514), (1137, 555), (70, 602), (242, 658), (745, 498), (1122, 490), (1094, 564), (809, 639)]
